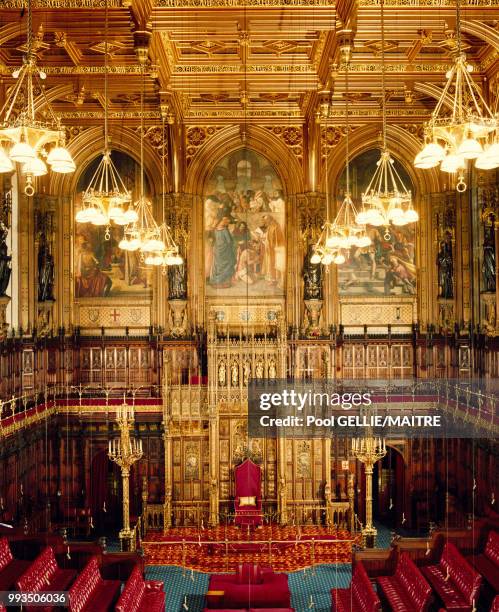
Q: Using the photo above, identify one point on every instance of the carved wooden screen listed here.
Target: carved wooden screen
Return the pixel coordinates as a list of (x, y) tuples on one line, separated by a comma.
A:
[(190, 478)]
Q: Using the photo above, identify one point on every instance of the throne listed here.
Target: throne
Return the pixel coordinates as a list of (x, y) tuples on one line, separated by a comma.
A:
[(248, 502)]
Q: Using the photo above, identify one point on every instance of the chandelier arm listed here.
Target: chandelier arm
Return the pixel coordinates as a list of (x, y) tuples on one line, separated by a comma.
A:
[(13, 97), (87, 190), (400, 181), (47, 104), (477, 95), (443, 95)]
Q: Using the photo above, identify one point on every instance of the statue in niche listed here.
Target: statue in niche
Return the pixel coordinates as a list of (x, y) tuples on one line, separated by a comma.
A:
[(312, 277), (45, 271), (5, 261), (489, 259), (234, 374), (246, 372), (222, 371), (259, 369), (445, 264), (177, 282), (272, 369)]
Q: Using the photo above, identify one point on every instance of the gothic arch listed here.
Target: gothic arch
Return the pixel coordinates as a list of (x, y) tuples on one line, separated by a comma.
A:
[(403, 145), (228, 140), (87, 145)]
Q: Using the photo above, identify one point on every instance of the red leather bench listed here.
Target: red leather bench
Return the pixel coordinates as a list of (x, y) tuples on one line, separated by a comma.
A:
[(487, 563), (360, 595), (495, 604), (44, 574), (10, 569), (90, 593), (141, 595), (454, 579), (406, 590), (251, 585), (253, 610)]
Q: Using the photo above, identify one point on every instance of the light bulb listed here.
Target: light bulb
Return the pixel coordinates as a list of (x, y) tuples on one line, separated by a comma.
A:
[(327, 259), (400, 220), (484, 162), (395, 213), (123, 244), (361, 217), (61, 161), (315, 259), (375, 218), (82, 216), (363, 241), (171, 260), (424, 163), (36, 167), (432, 152), (6, 164), (411, 216), (131, 216), (493, 152), (339, 259), (470, 148), (452, 163), (332, 241), (134, 244), (22, 152), (178, 260)]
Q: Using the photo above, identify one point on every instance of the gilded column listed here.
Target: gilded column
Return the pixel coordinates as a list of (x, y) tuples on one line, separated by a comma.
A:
[(167, 506), (326, 449), (214, 445), (282, 488)]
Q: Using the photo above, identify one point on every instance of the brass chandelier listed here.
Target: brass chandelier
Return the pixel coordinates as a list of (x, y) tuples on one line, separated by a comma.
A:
[(386, 201), (31, 139), (336, 238), (469, 133), (106, 199)]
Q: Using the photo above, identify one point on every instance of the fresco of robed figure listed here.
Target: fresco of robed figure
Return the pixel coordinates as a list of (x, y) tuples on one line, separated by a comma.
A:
[(244, 228), (386, 267), (101, 268)]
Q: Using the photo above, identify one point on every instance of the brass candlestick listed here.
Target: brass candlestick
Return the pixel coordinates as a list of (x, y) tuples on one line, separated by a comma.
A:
[(368, 451), (125, 451)]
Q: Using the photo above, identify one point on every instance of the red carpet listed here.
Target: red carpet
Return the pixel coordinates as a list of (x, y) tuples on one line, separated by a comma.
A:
[(223, 548)]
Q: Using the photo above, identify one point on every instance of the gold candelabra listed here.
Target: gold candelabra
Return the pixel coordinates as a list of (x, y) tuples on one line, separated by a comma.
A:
[(369, 450), (125, 451)]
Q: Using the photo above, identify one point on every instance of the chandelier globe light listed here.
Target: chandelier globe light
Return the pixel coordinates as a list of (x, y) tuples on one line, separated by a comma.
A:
[(470, 132), (106, 199), (345, 232), (161, 250), (387, 201), (26, 136)]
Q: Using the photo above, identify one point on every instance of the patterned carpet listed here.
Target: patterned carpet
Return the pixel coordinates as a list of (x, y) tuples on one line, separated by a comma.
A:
[(189, 587), (292, 548)]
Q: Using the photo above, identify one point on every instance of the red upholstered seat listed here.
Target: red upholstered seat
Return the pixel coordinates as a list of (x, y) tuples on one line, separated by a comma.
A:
[(495, 604), (45, 575), (487, 564), (406, 590), (10, 569), (255, 586), (141, 595), (359, 597), (90, 593), (455, 581), (248, 485)]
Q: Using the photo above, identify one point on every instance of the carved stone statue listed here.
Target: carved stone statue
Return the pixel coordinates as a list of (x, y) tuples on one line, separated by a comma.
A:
[(445, 264), (5, 262), (234, 374), (177, 282), (222, 370), (45, 272), (489, 259), (312, 278)]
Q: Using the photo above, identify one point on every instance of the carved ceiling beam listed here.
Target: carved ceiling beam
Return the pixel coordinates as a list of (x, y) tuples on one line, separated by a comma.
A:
[(72, 49), (483, 31), (55, 93)]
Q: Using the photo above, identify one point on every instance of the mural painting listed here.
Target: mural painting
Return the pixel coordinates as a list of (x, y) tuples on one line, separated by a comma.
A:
[(101, 268), (244, 228), (386, 267)]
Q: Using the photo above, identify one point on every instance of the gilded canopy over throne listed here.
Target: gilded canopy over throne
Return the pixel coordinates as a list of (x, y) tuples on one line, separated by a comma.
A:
[(248, 500)]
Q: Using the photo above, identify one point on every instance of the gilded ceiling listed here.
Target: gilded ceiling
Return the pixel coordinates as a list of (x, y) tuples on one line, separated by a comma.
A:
[(226, 61)]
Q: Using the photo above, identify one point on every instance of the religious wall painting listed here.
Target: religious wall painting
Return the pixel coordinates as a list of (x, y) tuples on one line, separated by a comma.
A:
[(388, 266), (244, 228), (101, 268)]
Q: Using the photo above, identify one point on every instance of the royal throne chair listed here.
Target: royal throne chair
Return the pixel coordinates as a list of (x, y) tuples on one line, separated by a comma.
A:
[(248, 501)]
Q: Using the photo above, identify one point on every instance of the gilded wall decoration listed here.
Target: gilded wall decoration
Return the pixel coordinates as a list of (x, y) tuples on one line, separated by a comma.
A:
[(291, 135), (196, 136), (191, 465), (387, 267), (244, 228), (101, 268)]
